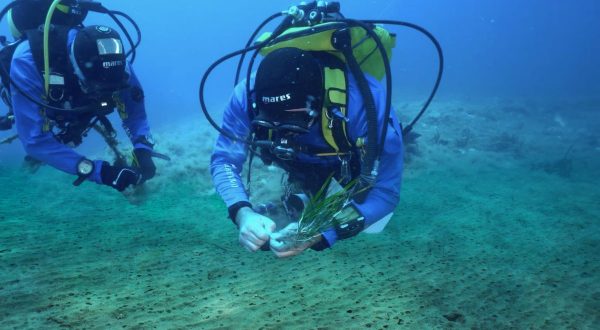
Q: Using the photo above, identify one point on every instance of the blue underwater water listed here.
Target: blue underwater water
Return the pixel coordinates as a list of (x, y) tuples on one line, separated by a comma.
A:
[(498, 225)]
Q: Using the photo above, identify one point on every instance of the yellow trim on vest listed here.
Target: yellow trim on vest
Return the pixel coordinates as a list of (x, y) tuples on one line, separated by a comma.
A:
[(46, 126), (331, 154), (315, 41), (367, 54), (360, 142), (121, 108), (64, 8), (335, 86), (335, 94), (318, 38), (327, 133)]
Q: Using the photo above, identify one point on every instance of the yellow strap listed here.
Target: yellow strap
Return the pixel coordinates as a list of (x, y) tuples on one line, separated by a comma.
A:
[(134, 161), (120, 106), (46, 126), (335, 94), (64, 8), (318, 38), (46, 45), (330, 154), (335, 85), (309, 40)]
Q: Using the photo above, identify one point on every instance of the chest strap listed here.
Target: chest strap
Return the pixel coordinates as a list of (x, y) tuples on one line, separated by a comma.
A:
[(334, 118)]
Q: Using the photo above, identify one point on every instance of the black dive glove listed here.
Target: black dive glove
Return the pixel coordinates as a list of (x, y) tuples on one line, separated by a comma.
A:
[(142, 160), (119, 177)]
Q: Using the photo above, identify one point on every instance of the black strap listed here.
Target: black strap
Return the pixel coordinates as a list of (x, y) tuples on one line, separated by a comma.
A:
[(338, 131), (59, 60), (350, 229), (108, 127), (263, 134)]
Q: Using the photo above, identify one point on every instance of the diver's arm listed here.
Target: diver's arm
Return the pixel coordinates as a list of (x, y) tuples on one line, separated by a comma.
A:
[(228, 156), (39, 144), (384, 196), (135, 121)]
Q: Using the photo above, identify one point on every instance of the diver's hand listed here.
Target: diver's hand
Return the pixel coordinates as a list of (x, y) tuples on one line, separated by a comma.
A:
[(283, 243), (119, 177), (143, 161), (255, 229)]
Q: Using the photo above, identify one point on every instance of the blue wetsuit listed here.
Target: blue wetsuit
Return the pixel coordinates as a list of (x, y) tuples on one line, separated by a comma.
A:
[(42, 145), (229, 156)]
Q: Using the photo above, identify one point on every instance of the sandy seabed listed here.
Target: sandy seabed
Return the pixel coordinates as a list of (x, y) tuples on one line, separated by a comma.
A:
[(498, 227)]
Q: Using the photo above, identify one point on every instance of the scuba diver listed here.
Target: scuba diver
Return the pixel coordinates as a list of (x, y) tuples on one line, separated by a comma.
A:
[(61, 79), (317, 108), (290, 101)]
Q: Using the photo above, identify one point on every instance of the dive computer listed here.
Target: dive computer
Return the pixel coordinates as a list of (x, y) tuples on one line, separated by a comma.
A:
[(85, 168)]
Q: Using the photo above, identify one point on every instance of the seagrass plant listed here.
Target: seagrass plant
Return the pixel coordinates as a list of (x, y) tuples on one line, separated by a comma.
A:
[(322, 209)]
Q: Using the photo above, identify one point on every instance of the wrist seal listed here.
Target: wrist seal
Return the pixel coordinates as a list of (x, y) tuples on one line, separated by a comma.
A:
[(233, 209), (350, 228)]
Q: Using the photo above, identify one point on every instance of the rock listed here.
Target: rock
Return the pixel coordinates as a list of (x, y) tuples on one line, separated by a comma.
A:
[(455, 317)]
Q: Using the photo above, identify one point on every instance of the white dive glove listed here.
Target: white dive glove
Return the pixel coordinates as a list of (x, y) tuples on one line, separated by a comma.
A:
[(255, 229), (284, 244)]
